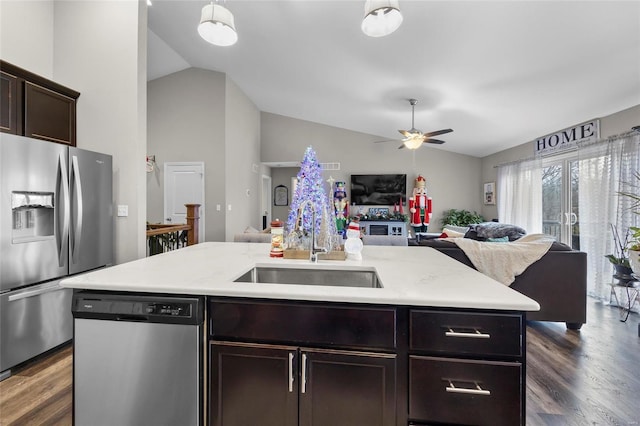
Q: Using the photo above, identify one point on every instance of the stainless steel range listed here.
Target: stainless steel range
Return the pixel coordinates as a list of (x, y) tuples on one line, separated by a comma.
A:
[(56, 220)]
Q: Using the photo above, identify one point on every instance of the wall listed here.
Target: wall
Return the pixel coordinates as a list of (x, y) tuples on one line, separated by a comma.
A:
[(59, 40), (242, 161), (26, 35), (619, 122), (186, 122), (109, 72), (453, 180)]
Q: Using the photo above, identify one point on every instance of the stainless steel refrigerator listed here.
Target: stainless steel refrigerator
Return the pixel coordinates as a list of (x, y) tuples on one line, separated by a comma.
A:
[(56, 220)]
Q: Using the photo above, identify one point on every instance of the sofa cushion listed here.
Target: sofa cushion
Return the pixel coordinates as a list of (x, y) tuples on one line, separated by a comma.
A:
[(485, 230)]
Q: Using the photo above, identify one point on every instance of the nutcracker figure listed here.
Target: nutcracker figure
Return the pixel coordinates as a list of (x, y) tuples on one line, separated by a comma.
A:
[(341, 205), (420, 206)]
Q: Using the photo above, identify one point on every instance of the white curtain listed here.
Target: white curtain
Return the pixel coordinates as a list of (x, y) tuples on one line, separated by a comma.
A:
[(605, 168), (520, 194)]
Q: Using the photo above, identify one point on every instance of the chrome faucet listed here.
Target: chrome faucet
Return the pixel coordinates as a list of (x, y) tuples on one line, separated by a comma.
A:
[(314, 249)]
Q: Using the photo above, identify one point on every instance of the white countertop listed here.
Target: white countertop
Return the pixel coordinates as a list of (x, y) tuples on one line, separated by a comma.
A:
[(416, 276)]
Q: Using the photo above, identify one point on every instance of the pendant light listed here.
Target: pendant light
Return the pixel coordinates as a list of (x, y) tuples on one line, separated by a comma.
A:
[(381, 17), (217, 26)]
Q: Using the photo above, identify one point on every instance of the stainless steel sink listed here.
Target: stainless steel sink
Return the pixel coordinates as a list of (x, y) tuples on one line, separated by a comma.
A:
[(330, 277)]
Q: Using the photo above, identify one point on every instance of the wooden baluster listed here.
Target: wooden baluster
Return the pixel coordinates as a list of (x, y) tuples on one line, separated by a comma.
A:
[(193, 217)]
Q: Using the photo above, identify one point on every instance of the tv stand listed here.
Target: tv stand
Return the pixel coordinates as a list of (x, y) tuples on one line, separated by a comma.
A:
[(383, 227)]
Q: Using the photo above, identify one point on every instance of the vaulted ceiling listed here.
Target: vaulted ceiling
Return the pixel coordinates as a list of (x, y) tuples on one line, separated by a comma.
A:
[(500, 73)]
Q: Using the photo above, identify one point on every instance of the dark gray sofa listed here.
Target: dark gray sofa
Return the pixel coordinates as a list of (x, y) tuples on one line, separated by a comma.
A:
[(558, 282)]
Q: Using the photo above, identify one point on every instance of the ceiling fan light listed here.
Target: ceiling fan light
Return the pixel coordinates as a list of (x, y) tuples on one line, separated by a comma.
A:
[(413, 142), (381, 17), (217, 25)]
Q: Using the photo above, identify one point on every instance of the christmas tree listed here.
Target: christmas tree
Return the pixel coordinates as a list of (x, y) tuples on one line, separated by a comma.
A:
[(310, 188)]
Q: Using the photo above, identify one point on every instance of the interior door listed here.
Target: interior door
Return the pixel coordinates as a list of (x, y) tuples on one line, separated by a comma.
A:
[(560, 186), (183, 184)]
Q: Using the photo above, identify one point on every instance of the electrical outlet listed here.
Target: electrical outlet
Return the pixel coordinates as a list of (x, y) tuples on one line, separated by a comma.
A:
[(218, 207)]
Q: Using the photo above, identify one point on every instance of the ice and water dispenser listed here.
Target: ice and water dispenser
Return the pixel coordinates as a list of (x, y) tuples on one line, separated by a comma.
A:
[(33, 216)]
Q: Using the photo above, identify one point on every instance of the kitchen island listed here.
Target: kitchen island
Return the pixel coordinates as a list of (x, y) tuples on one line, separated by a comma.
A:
[(434, 338)]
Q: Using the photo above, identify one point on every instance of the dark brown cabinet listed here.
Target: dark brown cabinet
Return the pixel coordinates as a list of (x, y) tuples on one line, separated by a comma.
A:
[(290, 386), (36, 107), (347, 388), (8, 103), (466, 359), (289, 363), (253, 384), (267, 377)]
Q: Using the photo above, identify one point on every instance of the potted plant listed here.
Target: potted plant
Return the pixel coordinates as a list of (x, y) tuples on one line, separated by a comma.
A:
[(633, 245), (618, 259), (456, 217)]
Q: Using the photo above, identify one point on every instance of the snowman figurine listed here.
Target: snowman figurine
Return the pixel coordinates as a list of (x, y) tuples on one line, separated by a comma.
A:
[(353, 245)]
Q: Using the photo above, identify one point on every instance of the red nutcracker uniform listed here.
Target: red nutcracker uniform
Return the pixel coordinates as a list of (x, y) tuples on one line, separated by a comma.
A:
[(420, 206)]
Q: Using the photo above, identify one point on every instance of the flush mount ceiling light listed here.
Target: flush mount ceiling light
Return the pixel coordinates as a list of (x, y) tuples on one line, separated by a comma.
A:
[(381, 17), (217, 26)]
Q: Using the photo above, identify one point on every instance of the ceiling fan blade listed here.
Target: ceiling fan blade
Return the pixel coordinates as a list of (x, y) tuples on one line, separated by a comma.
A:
[(436, 141), (401, 146), (438, 132), (388, 140), (405, 133)]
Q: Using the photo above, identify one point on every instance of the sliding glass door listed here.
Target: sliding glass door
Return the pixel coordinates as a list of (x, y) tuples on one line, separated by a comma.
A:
[(560, 186)]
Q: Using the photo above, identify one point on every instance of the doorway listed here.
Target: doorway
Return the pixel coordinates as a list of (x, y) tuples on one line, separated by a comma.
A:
[(560, 189), (265, 215), (184, 184)]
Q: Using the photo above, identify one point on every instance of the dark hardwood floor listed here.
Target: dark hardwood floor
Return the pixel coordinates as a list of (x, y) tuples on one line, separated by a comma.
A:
[(591, 377)]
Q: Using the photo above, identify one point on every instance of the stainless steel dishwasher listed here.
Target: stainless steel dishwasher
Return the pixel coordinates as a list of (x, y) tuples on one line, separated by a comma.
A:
[(137, 359)]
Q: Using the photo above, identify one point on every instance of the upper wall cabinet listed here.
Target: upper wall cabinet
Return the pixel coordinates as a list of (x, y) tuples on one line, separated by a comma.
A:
[(33, 106)]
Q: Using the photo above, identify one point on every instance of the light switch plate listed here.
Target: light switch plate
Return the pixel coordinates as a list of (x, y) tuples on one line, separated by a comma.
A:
[(123, 210)]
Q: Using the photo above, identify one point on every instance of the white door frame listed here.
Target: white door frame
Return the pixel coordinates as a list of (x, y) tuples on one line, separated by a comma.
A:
[(202, 211), (266, 200)]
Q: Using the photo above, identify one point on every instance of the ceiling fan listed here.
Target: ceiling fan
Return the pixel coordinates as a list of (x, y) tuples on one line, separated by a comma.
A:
[(414, 138)]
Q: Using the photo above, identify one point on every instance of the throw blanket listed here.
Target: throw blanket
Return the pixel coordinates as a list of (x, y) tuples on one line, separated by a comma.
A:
[(504, 261)]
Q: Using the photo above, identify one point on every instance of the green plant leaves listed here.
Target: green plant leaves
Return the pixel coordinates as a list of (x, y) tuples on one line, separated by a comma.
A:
[(461, 217)]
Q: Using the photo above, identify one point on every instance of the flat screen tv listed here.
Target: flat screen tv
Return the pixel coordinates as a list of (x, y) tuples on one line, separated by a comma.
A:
[(382, 190)]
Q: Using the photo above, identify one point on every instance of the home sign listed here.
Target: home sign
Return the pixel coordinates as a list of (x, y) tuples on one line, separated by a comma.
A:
[(567, 139)]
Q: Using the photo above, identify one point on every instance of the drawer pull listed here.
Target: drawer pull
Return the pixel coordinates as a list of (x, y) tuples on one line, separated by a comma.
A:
[(476, 334), (303, 381), (477, 391), (290, 372)]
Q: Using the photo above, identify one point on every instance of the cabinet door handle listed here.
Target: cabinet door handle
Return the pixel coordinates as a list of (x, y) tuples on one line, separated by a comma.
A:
[(476, 334), (304, 374), (472, 391), (290, 372)]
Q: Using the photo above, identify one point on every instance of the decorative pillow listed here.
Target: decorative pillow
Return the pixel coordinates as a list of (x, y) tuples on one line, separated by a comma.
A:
[(504, 239), (496, 230), (460, 229), (250, 230), (472, 234), (451, 233)]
